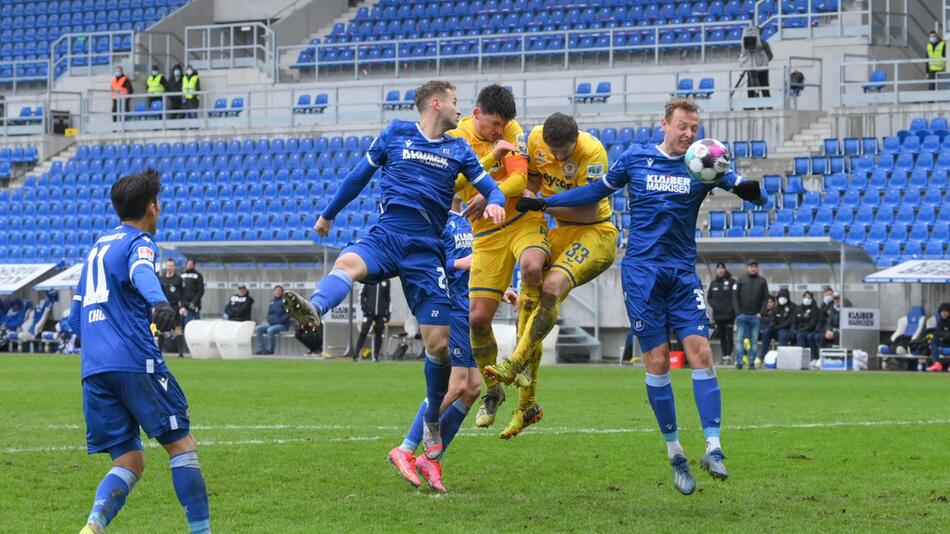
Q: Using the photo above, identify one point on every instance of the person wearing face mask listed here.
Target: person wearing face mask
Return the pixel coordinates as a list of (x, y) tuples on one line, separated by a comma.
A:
[(815, 338), (940, 340), (779, 322), (173, 85), (937, 56), (155, 85), (806, 322), (121, 89), (748, 299), (190, 87)]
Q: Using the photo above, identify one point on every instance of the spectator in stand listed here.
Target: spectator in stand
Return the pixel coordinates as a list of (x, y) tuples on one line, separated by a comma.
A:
[(193, 288), (173, 85), (806, 322), (190, 87), (719, 297), (239, 306), (374, 300), (748, 299), (937, 58), (941, 338), (172, 287), (278, 320), (155, 85), (13, 319), (121, 90), (779, 321)]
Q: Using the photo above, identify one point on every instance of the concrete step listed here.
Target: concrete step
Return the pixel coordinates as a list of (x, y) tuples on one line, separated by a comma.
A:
[(575, 341)]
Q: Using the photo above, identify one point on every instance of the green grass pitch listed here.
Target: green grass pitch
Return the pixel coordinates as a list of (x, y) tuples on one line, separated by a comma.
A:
[(300, 446)]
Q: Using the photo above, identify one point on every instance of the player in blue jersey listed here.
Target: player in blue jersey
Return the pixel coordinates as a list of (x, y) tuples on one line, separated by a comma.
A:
[(419, 167), (661, 289), (125, 383)]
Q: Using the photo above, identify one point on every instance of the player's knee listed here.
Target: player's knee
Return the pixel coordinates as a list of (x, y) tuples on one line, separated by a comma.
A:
[(480, 319), (133, 461), (556, 283), (531, 268), (438, 346)]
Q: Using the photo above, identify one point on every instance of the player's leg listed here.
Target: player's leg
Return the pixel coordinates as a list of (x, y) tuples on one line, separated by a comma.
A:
[(464, 383), (188, 480), (687, 305), (110, 428)]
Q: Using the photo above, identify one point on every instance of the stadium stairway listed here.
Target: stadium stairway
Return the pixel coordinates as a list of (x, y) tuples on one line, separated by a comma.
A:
[(573, 341), (290, 56)]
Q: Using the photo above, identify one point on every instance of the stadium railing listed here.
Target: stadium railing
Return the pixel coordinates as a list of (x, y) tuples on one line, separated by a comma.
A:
[(14, 74), (364, 102), (903, 82), (229, 46), (569, 44), (81, 53)]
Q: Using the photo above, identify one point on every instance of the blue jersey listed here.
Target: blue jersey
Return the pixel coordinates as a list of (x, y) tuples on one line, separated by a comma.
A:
[(115, 320), (663, 201), (458, 244), (419, 172)]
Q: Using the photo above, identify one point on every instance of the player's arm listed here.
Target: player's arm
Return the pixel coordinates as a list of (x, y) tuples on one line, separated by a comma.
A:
[(354, 182), (476, 175), (748, 190), (75, 309), (145, 281)]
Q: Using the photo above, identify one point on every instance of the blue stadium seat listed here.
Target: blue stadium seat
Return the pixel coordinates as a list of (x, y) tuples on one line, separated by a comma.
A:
[(851, 146), (831, 147), (583, 92), (759, 149), (740, 149), (603, 92), (876, 81), (684, 88)]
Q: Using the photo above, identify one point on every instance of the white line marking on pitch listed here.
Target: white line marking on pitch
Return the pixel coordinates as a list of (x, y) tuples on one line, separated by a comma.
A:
[(469, 433)]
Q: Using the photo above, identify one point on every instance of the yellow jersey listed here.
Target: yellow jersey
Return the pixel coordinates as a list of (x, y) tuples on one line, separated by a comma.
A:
[(483, 149), (588, 163)]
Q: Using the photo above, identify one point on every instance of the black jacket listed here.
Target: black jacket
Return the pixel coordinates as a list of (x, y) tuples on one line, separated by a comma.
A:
[(833, 318), (239, 308), (375, 299), (173, 85), (781, 317), (719, 297), (173, 289), (942, 329), (806, 318), (750, 294), (193, 288), (277, 313), (823, 316)]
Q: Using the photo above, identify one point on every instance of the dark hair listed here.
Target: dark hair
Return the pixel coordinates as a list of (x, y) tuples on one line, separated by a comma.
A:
[(132, 194), (431, 88), (497, 100), (559, 130)]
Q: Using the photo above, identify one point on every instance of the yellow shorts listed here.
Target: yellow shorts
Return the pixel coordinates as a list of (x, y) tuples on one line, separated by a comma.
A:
[(495, 253), (583, 251)]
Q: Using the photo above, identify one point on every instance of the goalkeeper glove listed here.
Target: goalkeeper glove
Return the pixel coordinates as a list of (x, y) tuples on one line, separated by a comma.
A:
[(531, 204), (164, 317)]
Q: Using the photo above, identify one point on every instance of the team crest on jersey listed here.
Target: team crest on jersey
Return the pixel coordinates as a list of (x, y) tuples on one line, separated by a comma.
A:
[(146, 253), (638, 325), (447, 151), (569, 168)]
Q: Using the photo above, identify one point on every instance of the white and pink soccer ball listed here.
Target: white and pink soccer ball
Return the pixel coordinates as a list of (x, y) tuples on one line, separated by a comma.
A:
[(707, 160)]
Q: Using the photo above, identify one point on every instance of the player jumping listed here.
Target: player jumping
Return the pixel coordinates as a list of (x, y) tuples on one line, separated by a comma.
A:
[(419, 167), (125, 383), (465, 381), (497, 138), (583, 245), (661, 289)]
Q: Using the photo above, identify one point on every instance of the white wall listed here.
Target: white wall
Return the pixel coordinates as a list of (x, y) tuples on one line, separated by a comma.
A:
[(243, 10)]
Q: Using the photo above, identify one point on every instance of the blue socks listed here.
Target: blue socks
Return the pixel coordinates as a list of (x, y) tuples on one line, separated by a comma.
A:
[(111, 494), (660, 393), (437, 371), (331, 290), (191, 491), (708, 400), (449, 422)]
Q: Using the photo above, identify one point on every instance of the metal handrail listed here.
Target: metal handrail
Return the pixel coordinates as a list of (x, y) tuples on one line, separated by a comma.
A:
[(812, 19), (523, 54), (204, 50), (57, 58), (17, 78), (894, 85)]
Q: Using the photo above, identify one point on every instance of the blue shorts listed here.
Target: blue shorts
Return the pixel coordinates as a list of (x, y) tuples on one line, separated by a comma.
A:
[(460, 341), (418, 261), (116, 404), (660, 298)]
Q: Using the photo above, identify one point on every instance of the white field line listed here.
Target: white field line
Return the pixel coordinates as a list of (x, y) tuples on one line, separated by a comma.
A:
[(550, 431)]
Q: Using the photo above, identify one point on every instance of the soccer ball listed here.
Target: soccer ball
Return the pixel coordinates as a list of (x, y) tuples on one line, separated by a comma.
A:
[(707, 160)]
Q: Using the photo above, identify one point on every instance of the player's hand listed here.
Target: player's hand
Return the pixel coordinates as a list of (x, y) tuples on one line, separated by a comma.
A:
[(475, 208), (163, 316), (511, 297), (531, 204), (495, 213), (502, 148), (323, 226)]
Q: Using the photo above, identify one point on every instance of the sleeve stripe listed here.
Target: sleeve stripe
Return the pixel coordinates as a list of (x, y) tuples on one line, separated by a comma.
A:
[(370, 160), (738, 180), (479, 179), (608, 184), (135, 264), (77, 297)]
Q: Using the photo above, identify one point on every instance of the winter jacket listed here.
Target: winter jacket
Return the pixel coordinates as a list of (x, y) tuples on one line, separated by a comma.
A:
[(14, 317), (750, 294), (782, 315), (833, 318), (277, 313), (239, 308), (375, 299), (193, 288), (173, 289), (759, 56), (719, 297), (942, 330), (806, 319)]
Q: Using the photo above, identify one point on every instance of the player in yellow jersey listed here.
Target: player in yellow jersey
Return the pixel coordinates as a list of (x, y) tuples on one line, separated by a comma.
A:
[(583, 245), (499, 142)]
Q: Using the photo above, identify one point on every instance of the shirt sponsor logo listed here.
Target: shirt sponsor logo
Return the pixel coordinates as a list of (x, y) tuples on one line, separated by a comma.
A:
[(669, 184), (425, 157), (463, 241), (522, 146), (555, 183)]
